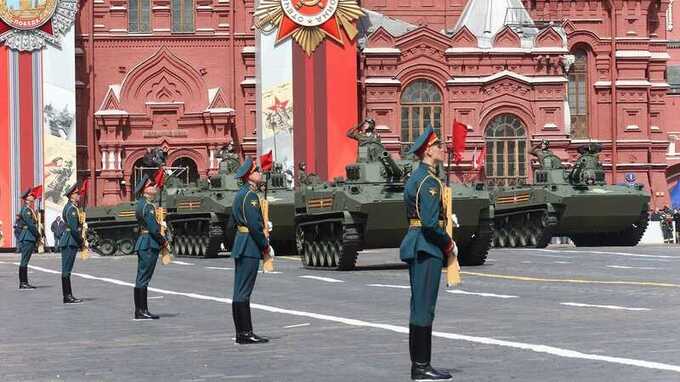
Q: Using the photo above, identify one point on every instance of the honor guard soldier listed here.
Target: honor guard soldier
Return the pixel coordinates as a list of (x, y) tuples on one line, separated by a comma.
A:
[(28, 237), (250, 245), (148, 245), (424, 249), (71, 241)]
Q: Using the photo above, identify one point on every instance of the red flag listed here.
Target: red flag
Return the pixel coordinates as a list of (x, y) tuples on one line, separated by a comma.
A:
[(266, 161), (159, 178), (459, 135), (83, 188), (480, 161), (37, 191)]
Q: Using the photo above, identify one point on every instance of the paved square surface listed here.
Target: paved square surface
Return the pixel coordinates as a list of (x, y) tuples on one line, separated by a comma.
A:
[(560, 314)]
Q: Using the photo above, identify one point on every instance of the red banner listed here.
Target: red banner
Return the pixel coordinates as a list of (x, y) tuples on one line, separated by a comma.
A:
[(459, 135)]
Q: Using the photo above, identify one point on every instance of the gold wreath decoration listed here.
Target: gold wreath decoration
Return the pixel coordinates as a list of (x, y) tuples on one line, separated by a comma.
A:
[(269, 15)]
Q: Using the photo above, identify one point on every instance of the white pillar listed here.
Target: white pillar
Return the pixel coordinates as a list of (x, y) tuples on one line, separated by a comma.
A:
[(120, 159), (104, 159), (110, 160), (211, 163)]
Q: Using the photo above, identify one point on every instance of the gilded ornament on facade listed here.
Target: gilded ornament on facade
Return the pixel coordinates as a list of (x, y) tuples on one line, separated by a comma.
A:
[(308, 22)]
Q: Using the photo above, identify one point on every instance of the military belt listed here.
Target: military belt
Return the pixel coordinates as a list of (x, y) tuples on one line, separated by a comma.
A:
[(243, 229), (144, 231), (417, 223)]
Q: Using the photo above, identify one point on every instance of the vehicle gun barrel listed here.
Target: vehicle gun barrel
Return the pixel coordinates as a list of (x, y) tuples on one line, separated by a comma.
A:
[(392, 170)]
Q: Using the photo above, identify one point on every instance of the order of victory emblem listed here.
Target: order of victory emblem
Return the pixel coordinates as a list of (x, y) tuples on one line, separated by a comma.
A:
[(30, 24), (308, 22)]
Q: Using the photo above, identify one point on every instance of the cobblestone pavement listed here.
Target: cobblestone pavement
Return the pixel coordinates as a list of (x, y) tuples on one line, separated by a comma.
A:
[(561, 314)]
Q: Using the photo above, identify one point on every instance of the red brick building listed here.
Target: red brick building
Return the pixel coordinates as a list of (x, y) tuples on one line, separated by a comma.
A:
[(181, 74), (177, 74)]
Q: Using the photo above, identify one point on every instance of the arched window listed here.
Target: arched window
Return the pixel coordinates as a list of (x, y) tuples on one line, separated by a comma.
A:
[(182, 15), (191, 169), (139, 14), (506, 158), (578, 94), (421, 107)]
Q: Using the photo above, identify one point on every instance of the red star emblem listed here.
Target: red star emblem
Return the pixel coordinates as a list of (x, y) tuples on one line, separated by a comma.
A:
[(278, 105), (287, 26), (47, 27)]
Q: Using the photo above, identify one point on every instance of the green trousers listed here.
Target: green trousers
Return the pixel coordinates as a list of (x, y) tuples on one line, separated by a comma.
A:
[(424, 271), (26, 248), (68, 257), (146, 264), (244, 277)]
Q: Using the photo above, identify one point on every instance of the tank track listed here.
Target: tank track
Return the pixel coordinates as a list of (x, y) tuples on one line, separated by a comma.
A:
[(628, 237), (328, 245), (110, 243), (202, 240), (475, 251), (527, 229)]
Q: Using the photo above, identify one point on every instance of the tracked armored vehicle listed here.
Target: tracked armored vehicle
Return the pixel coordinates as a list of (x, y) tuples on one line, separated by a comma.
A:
[(198, 215), (336, 220), (574, 202), (112, 230)]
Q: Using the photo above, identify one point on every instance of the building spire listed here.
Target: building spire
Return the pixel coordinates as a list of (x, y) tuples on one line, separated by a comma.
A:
[(485, 18)]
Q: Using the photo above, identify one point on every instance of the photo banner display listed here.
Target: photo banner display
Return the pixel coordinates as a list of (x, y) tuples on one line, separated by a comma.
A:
[(59, 128), (275, 101)]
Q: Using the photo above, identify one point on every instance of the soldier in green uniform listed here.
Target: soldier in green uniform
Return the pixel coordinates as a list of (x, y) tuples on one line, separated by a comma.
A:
[(148, 245), (250, 245), (28, 237), (424, 249), (71, 242)]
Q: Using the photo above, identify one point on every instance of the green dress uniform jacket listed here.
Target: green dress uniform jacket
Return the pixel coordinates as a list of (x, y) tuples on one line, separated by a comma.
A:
[(423, 246), (247, 213), (28, 236), (71, 240), (249, 243), (149, 242)]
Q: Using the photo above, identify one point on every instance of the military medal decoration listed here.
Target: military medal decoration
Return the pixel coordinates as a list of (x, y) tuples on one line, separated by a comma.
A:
[(308, 22)]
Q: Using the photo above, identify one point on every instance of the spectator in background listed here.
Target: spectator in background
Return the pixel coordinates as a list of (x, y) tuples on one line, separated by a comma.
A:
[(667, 224), (18, 226), (676, 219), (58, 227)]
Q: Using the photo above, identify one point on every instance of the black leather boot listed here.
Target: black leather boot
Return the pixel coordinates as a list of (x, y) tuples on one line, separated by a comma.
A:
[(66, 291), (412, 342), (246, 335), (145, 305), (139, 307), (23, 279), (422, 350), (236, 318)]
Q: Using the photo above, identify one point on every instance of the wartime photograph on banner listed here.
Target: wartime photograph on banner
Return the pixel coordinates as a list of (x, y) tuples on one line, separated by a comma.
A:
[(277, 125), (275, 103), (59, 129)]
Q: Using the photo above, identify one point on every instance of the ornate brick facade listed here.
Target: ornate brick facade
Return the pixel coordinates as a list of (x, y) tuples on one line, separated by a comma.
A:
[(525, 76), (192, 92), (188, 92)]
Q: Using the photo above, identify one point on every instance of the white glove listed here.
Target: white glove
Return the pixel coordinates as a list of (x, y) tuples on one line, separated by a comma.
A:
[(270, 226), (455, 249), (454, 218), (164, 225), (271, 251)]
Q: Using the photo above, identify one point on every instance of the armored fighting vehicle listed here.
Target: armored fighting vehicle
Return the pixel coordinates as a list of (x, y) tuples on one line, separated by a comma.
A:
[(336, 220), (573, 202), (198, 215), (112, 230)]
